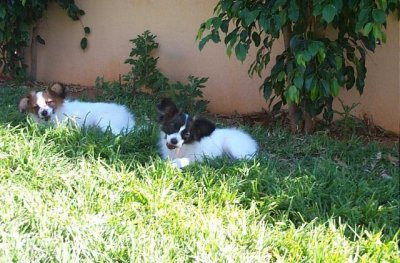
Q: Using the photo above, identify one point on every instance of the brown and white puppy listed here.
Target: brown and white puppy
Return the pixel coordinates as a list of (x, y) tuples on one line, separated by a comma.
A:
[(52, 106)]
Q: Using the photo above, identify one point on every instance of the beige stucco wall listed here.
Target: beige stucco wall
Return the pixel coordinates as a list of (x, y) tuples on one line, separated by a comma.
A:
[(380, 102), (175, 22)]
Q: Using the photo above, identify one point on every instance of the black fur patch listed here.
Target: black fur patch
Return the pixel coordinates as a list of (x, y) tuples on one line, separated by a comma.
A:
[(167, 109), (200, 128), (172, 120)]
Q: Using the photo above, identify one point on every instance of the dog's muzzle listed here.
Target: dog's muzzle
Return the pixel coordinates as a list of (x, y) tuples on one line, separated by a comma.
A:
[(45, 115), (171, 146)]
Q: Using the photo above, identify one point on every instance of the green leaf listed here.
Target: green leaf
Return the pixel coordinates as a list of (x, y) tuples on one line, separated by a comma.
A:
[(40, 40), (300, 60), (87, 30), (293, 94), (313, 47), (241, 51), (267, 89), (360, 83), (321, 55), (367, 29), (280, 20), (229, 50), (317, 10), (277, 106), (216, 22), (277, 4), (203, 42), (215, 37), (294, 11), (334, 87), (265, 23), (231, 37), (281, 76), (307, 56), (298, 81), (310, 82), (350, 78), (376, 32), (225, 26), (249, 16), (328, 13), (379, 16), (208, 23), (325, 85), (200, 31), (84, 43), (295, 42), (243, 36), (314, 92), (256, 38), (362, 18), (338, 62)]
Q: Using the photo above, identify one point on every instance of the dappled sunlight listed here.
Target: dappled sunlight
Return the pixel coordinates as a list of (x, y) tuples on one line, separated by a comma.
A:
[(84, 194)]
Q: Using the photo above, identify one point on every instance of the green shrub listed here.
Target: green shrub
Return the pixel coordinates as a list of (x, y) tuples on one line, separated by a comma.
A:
[(144, 76)]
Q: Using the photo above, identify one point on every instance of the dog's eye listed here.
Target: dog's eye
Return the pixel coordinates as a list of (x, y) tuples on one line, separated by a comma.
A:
[(171, 128), (50, 103), (36, 107), (185, 134)]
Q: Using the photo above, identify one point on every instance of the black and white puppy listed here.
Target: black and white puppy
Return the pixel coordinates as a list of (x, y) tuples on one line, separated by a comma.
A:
[(184, 139)]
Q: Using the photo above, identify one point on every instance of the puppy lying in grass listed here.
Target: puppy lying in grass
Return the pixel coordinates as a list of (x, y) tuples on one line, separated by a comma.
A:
[(52, 106)]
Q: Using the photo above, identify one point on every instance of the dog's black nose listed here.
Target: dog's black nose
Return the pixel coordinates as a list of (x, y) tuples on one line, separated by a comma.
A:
[(45, 113), (174, 141)]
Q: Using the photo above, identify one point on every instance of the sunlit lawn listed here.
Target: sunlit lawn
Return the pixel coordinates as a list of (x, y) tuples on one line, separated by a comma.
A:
[(82, 196)]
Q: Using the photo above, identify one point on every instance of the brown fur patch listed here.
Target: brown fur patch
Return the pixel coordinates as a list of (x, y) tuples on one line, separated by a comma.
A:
[(31, 103), (57, 90), (54, 100)]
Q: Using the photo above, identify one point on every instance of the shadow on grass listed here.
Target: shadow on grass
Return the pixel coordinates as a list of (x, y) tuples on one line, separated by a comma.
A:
[(9, 99), (303, 179), (314, 179)]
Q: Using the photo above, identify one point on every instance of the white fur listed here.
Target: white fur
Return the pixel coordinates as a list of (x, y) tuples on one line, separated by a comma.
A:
[(231, 142), (99, 114)]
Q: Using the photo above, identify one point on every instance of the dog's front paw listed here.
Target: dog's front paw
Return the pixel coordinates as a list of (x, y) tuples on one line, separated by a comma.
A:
[(180, 162)]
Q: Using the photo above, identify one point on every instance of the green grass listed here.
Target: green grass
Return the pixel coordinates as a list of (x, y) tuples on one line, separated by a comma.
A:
[(68, 195)]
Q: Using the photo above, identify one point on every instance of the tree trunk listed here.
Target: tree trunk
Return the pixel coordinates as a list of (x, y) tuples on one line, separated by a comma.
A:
[(309, 123), (33, 52), (295, 126)]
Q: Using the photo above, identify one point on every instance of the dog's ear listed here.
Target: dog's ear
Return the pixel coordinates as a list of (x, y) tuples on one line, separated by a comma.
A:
[(57, 90), (23, 104), (201, 127), (167, 109)]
